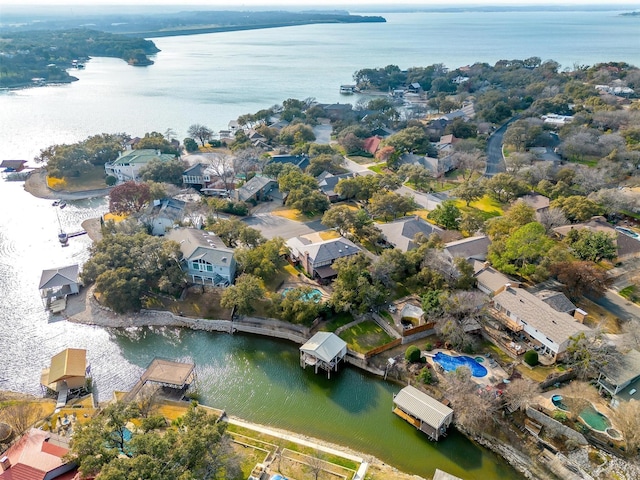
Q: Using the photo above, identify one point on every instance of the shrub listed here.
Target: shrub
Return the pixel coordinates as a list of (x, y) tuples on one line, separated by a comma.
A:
[(428, 347), (426, 376), (215, 143), (531, 358), (110, 180), (412, 354), (560, 416)]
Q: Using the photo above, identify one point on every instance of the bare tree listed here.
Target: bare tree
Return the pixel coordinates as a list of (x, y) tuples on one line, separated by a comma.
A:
[(222, 166), (552, 218), (316, 464), (21, 415), (587, 355), (469, 163), (517, 161), (520, 394), (627, 419), (147, 400), (201, 132)]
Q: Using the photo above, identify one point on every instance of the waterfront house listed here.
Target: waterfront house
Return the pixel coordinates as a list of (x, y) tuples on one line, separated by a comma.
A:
[(199, 176), (536, 322), (316, 258), (128, 165), (423, 412), (162, 215), (205, 258), (38, 455), (401, 233), (257, 189), (324, 350), (13, 165)]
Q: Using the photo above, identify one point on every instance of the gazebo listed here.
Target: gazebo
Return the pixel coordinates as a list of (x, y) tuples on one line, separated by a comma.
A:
[(323, 350)]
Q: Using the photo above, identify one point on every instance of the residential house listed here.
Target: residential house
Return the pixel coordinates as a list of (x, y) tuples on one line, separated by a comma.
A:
[(338, 111), (557, 120), (622, 380), (446, 143), (163, 215), (539, 203), (546, 329), (488, 279), (475, 248), (324, 350), (316, 258), (626, 246), (301, 161), (328, 181), (439, 166), (128, 165), (423, 412), (401, 233), (258, 189), (198, 176), (205, 258), (372, 144), (381, 132), (414, 87), (558, 301), (38, 455)]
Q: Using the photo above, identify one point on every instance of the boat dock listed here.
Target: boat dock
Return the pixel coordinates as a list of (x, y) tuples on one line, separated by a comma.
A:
[(76, 234)]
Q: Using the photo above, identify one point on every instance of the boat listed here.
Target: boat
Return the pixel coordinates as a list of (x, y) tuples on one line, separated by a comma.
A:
[(62, 204), (63, 238), (348, 89), (56, 203)]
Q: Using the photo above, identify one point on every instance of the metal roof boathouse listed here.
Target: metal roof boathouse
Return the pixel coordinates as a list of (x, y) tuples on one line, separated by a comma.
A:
[(423, 412), (323, 350)]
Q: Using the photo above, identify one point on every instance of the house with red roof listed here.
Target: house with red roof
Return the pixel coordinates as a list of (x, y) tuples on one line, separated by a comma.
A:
[(372, 144), (38, 455)]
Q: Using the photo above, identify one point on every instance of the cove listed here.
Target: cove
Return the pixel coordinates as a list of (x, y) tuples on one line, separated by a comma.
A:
[(260, 380)]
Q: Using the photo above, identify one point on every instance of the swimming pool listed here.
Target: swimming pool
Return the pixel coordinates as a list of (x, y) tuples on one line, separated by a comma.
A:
[(314, 295), (595, 419), (450, 363)]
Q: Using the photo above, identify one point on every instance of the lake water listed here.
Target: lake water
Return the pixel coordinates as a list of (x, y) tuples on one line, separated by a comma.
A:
[(212, 79)]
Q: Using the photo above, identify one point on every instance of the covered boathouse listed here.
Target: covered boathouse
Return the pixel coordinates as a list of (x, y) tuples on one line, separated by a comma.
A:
[(177, 376), (323, 350), (423, 412)]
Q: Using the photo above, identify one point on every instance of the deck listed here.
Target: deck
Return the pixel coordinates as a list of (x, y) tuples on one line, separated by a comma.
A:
[(164, 372), (405, 416)]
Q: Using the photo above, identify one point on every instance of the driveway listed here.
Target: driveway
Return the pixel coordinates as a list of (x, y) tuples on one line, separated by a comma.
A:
[(274, 226), (357, 168)]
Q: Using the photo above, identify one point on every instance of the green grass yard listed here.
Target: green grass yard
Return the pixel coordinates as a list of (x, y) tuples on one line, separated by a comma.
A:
[(365, 336)]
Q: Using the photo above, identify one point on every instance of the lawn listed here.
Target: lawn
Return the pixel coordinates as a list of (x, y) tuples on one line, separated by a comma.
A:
[(380, 168), (287, 273), (361, 160), (599, 317), (94, 179), (537, 374), (337, 321), (365, 336), (487, 207), (195, 304), (295, 215)]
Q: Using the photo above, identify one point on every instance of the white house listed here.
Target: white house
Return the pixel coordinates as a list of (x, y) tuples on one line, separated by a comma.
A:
[(128, 165)]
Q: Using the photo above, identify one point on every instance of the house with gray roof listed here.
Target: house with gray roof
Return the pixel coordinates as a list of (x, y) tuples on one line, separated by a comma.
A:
[(423, 412), (328, 181), (488, 279), (625, 375), (468, 248), (205, 258), (59, 282), (317, 257), (538, 202), (257, 189), (401, 233), (128, 165), (557, 300), (301, 161), (524, 313), (163, 214)]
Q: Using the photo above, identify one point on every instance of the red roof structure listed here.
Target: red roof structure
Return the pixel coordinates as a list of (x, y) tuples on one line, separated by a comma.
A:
[(372, 144)]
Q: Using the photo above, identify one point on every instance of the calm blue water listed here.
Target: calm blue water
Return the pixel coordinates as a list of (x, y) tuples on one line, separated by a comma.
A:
[(450, 364)]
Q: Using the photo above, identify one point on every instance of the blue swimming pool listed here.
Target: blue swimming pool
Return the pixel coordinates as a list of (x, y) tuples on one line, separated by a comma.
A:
[(314, 295), (450, 363)]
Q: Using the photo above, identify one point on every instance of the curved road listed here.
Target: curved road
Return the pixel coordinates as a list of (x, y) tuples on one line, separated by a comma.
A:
[(495, 161)]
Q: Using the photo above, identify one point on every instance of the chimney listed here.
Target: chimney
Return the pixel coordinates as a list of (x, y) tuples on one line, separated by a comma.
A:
[(5, 463), (579, 315)]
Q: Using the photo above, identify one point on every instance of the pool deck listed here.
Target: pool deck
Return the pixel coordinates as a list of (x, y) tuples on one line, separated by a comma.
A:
[(495, 374)]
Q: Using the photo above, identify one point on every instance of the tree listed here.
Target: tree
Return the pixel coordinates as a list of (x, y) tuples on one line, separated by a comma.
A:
[(190, 144), (390, 205), (469, 163), (531, 358), (626, 417), (520, 393), (156, 141), (577, 208), (263, 260), (340, 217), (588, 355), (469, 191), (471, 223), (200, 132), (244, 295), (121, 290), (129, 197), (417, 175), (163, 171), (296, 134), (504, 187), (552, 218), (592, 246), (582, 279), (412, 354), (432, 302), (411, 139), (446, 214), (354, 289), (297, 305), (294, 179), (325, 163), (21, 415), (308, 200), (522, 251)]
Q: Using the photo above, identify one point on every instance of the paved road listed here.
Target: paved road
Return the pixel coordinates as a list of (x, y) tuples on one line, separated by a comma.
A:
[(357, 168), (619, 306), (495, 162)]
